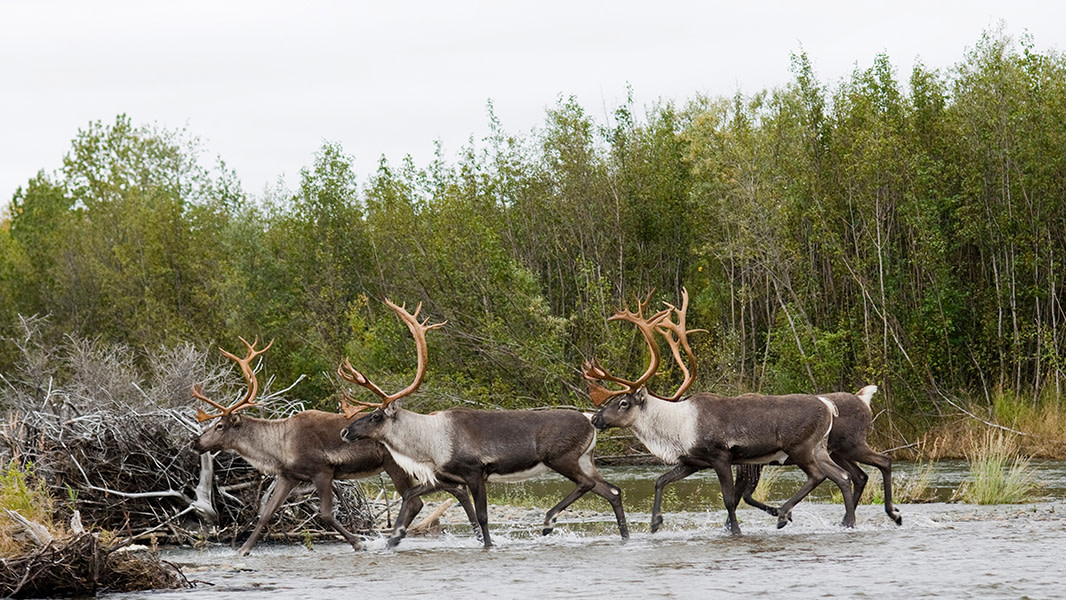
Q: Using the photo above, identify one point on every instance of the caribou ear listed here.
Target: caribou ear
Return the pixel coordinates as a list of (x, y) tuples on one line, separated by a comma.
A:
[(391, 408), (641, 396)]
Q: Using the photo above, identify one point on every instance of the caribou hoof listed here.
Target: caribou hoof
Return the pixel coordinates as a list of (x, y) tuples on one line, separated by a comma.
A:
[(547, 530), (897, 518), (394, 541), (656, 523)]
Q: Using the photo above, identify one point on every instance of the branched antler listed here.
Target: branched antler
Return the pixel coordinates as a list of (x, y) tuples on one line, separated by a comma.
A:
[(349, 373), (593, 371), (677, 338), (249, 379), (676, 335)]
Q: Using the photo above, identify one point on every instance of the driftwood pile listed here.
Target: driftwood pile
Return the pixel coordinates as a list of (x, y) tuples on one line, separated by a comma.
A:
[(83, 566), (108, 429), (135, 474)]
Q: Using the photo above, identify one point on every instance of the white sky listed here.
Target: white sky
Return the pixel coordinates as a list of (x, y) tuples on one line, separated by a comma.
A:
[(264, 83)]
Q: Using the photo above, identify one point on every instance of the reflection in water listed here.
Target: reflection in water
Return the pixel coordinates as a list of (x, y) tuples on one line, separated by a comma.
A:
[(943, 550)]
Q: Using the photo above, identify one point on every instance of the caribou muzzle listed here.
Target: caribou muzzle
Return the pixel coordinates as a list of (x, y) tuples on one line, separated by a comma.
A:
[(600, 423)]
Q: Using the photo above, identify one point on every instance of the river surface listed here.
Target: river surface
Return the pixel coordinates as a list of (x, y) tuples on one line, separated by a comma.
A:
[(944, 549)]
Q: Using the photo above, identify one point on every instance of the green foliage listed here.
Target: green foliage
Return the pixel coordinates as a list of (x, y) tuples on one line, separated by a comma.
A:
[(904, 231), (22, 491)]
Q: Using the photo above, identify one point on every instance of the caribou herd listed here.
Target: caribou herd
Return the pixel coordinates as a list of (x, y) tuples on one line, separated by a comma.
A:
[(460, 450)]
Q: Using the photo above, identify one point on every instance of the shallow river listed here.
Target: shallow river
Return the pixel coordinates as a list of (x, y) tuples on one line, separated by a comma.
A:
[(943, 550)]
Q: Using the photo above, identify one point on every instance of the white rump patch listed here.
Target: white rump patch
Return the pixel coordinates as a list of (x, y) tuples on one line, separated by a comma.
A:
[(866, 394), (832, 407), (833, 414)]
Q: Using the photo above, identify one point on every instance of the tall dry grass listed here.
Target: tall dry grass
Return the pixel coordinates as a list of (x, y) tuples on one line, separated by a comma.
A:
[(1038, 428)]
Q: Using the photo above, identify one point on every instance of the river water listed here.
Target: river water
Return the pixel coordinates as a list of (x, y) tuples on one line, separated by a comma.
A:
[(943, 550)]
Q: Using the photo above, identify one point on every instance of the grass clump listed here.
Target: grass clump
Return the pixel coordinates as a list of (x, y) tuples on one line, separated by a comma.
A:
[(914, 487), (22, 492), (998, 474)]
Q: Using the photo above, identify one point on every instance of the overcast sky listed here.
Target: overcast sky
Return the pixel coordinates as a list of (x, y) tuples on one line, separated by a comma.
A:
[(263, 84)]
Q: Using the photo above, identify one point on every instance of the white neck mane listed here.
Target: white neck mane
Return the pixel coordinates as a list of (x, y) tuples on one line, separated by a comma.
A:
[(668, 429), (419, 443)]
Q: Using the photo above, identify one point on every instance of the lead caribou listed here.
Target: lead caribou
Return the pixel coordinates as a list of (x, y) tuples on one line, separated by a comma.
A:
[(465, 447), (301, 448), (706, 430)]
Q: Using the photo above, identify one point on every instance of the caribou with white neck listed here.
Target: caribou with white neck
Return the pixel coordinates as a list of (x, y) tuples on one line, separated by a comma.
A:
[(468, 447), (706, 430)]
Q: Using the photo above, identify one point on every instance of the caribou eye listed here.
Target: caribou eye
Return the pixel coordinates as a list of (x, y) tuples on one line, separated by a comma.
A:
[(623, 404)]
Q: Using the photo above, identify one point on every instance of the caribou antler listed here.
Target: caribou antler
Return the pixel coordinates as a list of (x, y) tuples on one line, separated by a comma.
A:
[(677, 337), (593, 371), (249, 380), (349, 373)]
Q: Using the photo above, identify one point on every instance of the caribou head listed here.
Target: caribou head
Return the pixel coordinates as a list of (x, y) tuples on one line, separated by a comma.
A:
[(374, 425), (623, 407), (215, 438)]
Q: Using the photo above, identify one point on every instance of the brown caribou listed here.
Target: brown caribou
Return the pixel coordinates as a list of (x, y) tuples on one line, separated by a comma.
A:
[(304, 447), (466, 447)]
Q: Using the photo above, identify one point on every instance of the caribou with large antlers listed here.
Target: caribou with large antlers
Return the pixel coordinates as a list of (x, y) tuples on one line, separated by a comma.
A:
[(469, 447), (706, 430), (301, 448)]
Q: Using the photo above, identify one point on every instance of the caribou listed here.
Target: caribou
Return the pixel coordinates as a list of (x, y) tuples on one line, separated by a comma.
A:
[(847, 447), (467, 447), (705, 430), (301, 448)]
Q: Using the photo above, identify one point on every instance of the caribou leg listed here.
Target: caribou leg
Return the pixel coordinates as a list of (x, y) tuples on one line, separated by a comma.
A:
[(884, 464), (476, 485), (324, 485), (282, 488), (412, 503), (403, 482), (585, 484), (679, 472), (818, 466), (730, 494), (747, 480)]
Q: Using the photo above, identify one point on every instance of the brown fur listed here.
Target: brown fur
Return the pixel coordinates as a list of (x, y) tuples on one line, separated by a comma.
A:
[(306, 447), (847, 446), (466, 447)]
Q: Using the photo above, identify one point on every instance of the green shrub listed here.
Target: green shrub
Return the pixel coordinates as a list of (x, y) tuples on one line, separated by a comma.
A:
[(997, 474)]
